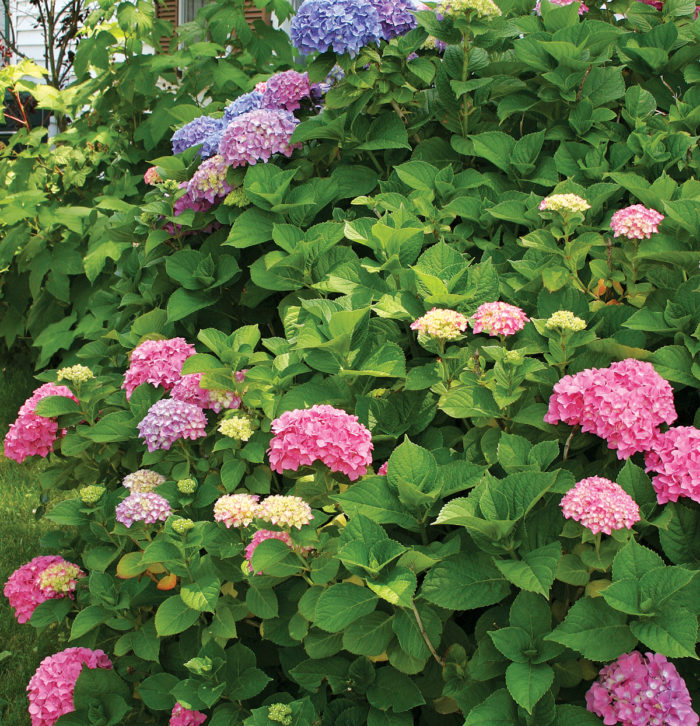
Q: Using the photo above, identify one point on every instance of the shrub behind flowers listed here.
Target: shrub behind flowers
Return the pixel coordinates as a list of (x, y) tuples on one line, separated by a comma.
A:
[(336, 273)]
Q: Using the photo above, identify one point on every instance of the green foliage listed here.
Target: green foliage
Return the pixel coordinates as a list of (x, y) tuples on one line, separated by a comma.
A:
[(450, 590)]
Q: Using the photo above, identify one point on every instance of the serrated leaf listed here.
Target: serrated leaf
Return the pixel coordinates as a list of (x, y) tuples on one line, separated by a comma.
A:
[(527, 683), (535, 572)]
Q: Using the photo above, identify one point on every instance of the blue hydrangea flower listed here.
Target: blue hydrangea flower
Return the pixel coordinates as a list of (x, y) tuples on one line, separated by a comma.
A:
[(247, 102), (210, 145), (395, 16), (343, 25), (194, 133)]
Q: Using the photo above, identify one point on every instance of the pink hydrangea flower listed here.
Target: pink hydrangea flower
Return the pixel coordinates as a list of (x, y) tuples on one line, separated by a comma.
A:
[(623, 404), (261, 87), (284, 511), (260, 536), (152, 177), (51, 687), (236, 510), (320, 433), (257, 135), (635, 222), (285, 90), (147, 507), (31, 434), (499, 318), (158, 362), (441, 323), (675, 457), (209, 181), (383, 469), (187, 389), (25, 588), (600, 505), (639, 690), (143, 480), (582, 9), (168, 421), (184, 717)]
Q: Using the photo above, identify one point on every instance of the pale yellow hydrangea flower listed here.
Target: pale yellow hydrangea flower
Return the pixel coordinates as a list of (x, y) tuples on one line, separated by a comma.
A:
[(237, 427), (75, 374), (564, 203), (565, 320), (484, 8)]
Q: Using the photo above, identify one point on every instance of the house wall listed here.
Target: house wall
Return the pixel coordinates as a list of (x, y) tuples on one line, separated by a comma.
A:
[(29, 37)]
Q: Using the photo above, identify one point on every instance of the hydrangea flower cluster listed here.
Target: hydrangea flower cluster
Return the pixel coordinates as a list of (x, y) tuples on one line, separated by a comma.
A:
[(182, 525), (157, 362), (209, 181), (499, 318), (623, 404), (284, 511), (31, 434), (565, 320), (280, 713), (169, 420), (187, 486), (243, 104), (237, 427), (181, 716), (236, 510), (187, 389), (75, 374), (564, 202), (91, 494), (395, 17), (442, 324), (675, 457), (383, 469), (285, 90), (483, 8), (210, 145), (27, 586), (50, 690), (641, 690), (147, 507), (260, 536), (600, 505), (195, 132), (635, 222), (583, 8), (152, 177), (143, 480), (188, 201), (257, 135), (344, 26), (320, 433)]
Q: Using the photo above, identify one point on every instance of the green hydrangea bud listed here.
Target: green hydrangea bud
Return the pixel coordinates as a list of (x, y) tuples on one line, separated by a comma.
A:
[(187, 486), (237, 198), (513, 356), (182, 525), (281, 713), (237, 427), (91, 494), (75, 374), (565, 320)]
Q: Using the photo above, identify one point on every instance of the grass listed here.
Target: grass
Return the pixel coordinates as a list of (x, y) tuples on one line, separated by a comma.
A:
[(20, 649)]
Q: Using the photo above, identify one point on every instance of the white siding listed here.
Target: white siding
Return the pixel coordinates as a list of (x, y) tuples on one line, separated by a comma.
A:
[(30, 39)]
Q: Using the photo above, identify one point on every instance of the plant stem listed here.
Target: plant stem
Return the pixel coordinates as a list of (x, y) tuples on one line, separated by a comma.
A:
[(419, 622)]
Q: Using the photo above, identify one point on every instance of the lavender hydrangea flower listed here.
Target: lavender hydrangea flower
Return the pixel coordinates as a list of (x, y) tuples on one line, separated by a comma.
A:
[(195, 132), (209, 181), (395, 16), (147, 507), (169, 420), (343, 25), (255, 136), (243, 104), (285, 90), (210, 145)]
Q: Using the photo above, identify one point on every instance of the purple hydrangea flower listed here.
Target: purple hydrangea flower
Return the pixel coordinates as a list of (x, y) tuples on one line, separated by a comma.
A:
[(209, 181), (195, 132), (189, 201), (285, 90), (255, 136), (243, 104), (210, 145), (169, 420), (343, 25), (395, 16), (147, 507)]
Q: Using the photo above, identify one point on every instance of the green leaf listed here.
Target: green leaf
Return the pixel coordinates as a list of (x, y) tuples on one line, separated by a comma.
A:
[(396, 586), (273, 557), (252, 227), (575, 716), (527, 683), (369, 636), (372, 497), (572, 571), (634, 560), (673, 632), (535, 572), (512, 642), (413, 464), (409, 632), (201, 595), (155, 691), (173, 616), (68, 512), (595, 630), (469, 401), (497, 710), (88, 619), (495, 146), (183, 303), (464, 582), (417, 175), (52, 406), (386, 132), (50, 612), (394, 690), (342, 604)]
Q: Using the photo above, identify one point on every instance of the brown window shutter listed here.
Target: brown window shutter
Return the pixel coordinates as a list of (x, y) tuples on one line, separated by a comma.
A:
[(252, 13)]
